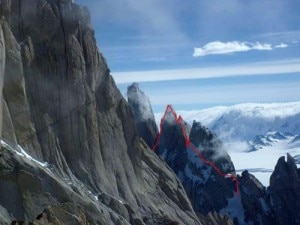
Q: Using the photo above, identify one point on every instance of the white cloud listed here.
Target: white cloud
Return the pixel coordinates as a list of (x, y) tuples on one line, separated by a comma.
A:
[(261, 68), (218, 48), (282, 45), (285, 35)]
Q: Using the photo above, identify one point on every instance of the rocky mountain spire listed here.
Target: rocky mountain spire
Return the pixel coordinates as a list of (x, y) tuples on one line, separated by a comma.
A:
[(143, 114), (285, 191), (200, 180)]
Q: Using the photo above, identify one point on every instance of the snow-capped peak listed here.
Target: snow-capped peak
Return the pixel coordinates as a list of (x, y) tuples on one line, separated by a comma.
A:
[(245, 121)]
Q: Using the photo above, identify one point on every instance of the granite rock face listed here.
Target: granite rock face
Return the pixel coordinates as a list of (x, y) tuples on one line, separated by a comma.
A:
[(143, 114), (70, 150)]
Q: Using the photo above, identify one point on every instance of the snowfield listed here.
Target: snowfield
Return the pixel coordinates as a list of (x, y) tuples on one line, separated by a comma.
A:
[(261, 162)]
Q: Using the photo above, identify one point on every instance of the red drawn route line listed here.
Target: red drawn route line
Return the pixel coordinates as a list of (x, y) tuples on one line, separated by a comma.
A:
[(179, 120)]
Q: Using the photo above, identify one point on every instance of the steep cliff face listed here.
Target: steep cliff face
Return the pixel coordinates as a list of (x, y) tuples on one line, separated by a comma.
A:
[(2, 67), (255, 199), (285, 191), (211, 147), (61, 106), (206, 188), (143, 114)]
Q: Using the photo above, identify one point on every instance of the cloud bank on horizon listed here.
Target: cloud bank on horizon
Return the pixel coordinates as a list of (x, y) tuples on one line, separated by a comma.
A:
[(238, 70), (220, 48)]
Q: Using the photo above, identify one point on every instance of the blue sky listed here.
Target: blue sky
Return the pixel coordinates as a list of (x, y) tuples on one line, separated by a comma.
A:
[(201, 53)]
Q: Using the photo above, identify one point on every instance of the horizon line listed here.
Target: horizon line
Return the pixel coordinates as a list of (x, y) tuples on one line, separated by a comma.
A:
[(219, 71)]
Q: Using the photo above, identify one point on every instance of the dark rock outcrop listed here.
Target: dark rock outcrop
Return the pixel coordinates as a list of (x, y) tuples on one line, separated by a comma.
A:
[(214, 218), (211, 147), (207, 190), (143, 114), (61, 106), (285, 192), (255, 200), (279, 203)]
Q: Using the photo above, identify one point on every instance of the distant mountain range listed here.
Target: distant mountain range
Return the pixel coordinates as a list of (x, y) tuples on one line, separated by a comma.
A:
[(244, 122), (272, 139)]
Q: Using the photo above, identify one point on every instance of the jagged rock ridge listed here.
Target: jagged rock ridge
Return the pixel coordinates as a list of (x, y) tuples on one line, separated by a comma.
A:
[(208, 192)]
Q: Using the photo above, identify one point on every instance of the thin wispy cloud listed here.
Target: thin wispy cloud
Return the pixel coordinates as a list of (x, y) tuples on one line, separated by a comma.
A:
[(295, 34), (282, 45), (220, 48), (259, 68)]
